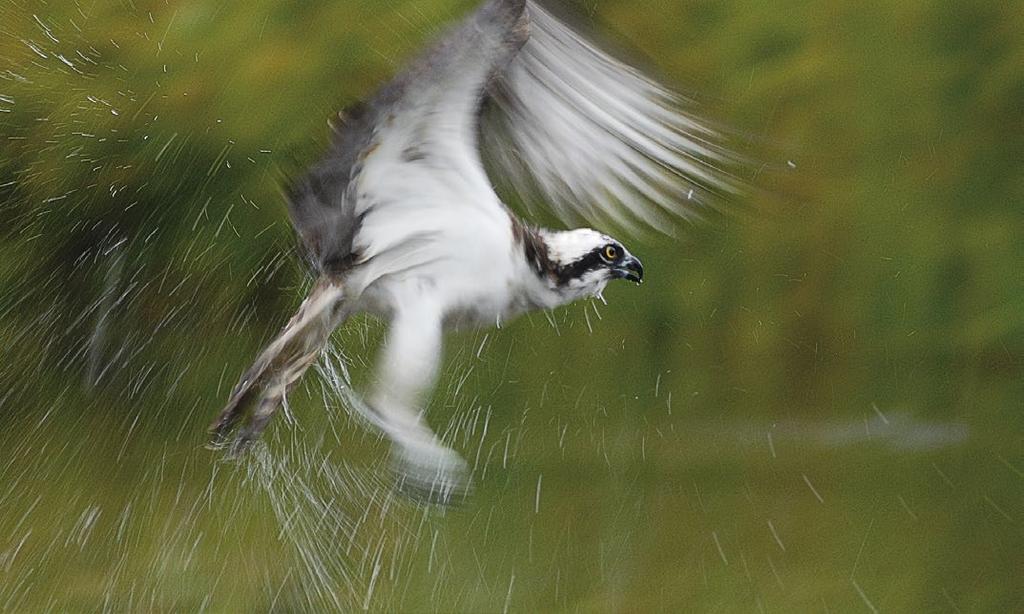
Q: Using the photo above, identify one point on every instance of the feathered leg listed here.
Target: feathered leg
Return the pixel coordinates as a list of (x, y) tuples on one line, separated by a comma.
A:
[(408, 364), (281, 365)]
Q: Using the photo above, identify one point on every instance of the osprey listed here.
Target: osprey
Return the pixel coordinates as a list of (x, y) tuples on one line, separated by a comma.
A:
[(401, 220)]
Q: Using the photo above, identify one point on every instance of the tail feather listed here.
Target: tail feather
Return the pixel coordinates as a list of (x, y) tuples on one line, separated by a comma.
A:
[(280, 366)]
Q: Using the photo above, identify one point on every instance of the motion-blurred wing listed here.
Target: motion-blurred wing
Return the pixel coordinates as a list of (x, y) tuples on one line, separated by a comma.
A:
[(403, 161), (597, 139)]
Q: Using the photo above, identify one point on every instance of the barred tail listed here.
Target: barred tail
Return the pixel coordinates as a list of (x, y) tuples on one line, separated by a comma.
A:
[(280, 365)]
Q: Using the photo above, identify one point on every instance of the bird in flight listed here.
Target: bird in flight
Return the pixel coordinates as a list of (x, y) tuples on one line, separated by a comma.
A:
[(401, 218)]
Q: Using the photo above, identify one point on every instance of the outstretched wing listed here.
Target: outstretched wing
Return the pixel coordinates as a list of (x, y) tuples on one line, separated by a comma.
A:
[(597, 139), (404, 161)]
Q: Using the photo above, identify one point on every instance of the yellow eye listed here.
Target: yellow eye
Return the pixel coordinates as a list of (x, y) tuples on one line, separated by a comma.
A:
[(611, 253)]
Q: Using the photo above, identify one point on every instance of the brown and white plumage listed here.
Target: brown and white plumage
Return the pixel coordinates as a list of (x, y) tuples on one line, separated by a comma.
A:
[(402, 221)]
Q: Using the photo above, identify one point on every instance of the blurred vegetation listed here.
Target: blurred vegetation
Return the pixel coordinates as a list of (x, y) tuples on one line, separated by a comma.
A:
[(145, 255)]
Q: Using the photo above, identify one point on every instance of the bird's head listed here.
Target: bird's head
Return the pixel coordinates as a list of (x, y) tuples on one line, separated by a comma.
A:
[(583, 261)]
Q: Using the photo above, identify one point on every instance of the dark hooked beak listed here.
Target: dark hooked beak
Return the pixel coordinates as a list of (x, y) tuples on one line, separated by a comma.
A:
[(631, 269)]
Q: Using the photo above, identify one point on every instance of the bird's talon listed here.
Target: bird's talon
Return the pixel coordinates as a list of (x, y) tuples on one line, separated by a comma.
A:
[(433, 475)]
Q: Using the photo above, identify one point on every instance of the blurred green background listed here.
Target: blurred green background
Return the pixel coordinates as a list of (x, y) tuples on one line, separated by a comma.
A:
[(817, 405)]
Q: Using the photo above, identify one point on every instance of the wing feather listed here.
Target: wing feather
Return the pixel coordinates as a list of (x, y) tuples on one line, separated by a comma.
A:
[(596, 139), (411, 146)]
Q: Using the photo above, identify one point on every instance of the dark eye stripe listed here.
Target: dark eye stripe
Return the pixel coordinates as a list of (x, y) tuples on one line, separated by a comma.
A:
[(574, 270)]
